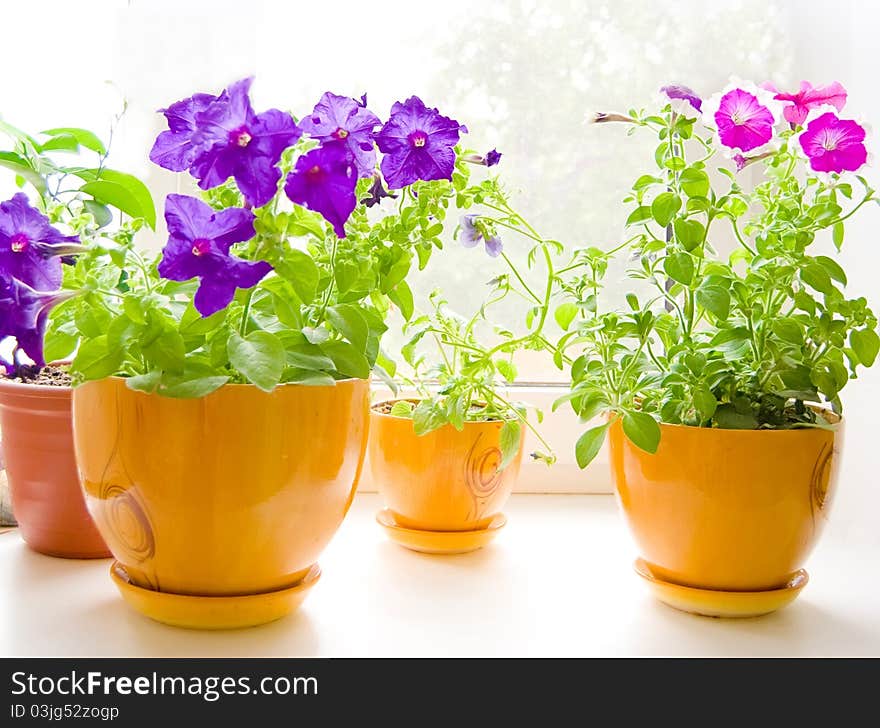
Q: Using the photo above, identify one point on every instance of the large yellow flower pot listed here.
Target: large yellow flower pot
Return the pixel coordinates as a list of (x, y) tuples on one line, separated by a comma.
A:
[(727, 510), (232, 494), (447, 480)]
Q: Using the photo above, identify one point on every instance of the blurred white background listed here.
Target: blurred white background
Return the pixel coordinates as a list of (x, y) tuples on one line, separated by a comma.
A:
[(522, 74)]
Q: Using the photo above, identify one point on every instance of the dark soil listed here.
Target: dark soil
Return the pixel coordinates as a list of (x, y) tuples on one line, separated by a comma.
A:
[(48, 376)]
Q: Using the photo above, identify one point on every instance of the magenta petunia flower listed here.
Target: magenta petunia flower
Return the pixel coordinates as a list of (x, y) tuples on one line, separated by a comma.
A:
[(472, 234), (24, 314), (345, 121), (418, 144), (324, 180), (743, 122), (198, 247), (798, 106), (833, 144), (174, 148), (232, 140), (677, 92), (30, 247)]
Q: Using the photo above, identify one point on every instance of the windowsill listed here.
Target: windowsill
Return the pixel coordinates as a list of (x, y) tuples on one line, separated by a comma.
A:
[(558, 581)]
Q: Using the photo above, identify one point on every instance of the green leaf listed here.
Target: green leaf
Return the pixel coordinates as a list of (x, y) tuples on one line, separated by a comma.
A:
[(402, 297), (427, 417), (148, 382), (347, 360), (83, 137), (704, 402), (349, 322), (694, 182), (642, 430), (715, 299), (565, 314), (59, 345), (788, 330), (837, 235), (22, 167), (664, 207), (194, 388), (679, 267), (192, 323), (510, 439), (589, 444), (301, 272), (866, 345), (507, 369), (639, 215), (96, 360), (815, 276), (167, 350), (259, 357), (689, 233), (402, 408), (728, 417), (833, 268), (308, 356), (122, 191), (101, 213)]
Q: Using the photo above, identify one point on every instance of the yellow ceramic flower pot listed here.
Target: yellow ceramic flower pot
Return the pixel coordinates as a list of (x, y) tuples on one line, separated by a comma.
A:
[(236, 493), (446, 480), (727, 510)]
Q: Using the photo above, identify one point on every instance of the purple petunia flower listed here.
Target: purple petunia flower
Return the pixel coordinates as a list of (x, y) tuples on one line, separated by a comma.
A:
[(343, 120), (472, 234), (24, 314), (30, 246), (174, 148), (743, 121), (833, 144), (676, 92), (221, 137), (493, 157), (198, 247), (799, 105), (324, 180), (418, 144)]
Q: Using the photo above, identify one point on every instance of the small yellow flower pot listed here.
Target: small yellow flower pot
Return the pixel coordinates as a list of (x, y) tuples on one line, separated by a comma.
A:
[(726, 510), (233, 494), (445, 481)]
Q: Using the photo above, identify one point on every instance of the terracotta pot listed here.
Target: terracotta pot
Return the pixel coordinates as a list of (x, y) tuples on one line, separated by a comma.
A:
[(446, 480), (41, 470), (732, 510), (235, 493)]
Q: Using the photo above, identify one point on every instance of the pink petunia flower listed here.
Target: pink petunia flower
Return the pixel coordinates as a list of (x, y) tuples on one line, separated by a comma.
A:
[(833, 144), (799, 105), (743, 122)]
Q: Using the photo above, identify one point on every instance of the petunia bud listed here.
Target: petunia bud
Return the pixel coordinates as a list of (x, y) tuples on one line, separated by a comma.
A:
[(600, 117), (377, 192)]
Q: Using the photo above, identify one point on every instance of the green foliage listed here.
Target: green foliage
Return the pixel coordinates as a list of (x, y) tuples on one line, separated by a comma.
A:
[(465, 383), (753, 340)]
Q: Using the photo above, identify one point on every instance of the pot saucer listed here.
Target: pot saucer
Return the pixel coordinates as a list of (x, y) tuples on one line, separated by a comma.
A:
[(729, 604), (439, 542), (213, 612)]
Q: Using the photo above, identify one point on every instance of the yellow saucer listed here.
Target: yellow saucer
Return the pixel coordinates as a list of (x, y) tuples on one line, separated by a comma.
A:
[(213, 612), (730, 604), (439, 542)]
